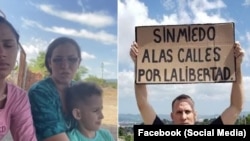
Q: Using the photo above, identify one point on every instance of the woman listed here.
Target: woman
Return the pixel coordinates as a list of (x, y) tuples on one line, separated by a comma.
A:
[(15, 113), (47, 96)]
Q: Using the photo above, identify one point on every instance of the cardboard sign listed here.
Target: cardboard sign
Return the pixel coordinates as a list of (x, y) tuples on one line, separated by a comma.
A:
[(194, 53)]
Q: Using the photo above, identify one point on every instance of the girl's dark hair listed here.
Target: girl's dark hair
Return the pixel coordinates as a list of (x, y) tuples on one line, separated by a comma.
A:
[(55, 44), (78, 93), (4, 21)]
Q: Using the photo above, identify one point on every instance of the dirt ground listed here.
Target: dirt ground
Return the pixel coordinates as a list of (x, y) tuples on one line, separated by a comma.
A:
[(110, 110)]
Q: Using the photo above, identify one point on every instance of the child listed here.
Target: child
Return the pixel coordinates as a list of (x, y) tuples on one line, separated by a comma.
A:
[(84, 103)]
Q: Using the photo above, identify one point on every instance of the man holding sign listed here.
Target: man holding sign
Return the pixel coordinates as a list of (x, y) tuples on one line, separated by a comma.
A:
[(183, 111)]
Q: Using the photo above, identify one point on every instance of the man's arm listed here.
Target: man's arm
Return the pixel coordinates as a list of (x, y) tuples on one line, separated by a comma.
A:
[(230, 115), (147, 112)]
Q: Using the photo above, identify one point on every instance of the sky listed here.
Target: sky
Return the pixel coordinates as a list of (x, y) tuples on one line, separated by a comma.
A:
[(210, 98), (93, 24)]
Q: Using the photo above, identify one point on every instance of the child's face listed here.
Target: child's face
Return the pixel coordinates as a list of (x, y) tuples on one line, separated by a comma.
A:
[(91, 113)]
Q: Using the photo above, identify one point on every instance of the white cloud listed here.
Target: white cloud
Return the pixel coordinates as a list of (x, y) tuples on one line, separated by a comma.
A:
[(80, 3), (86, 56), (126, 84), (109, 74), (109, 69), (105, 73), (246, 82), (2, 14), (107, 63), (246, 3), (196, 11), (247, 49), (204, 5), (161, 92), (33, 47), (204, 11), (100, 36), (88, 68), (128, 17), (168, 4), (96, 19)]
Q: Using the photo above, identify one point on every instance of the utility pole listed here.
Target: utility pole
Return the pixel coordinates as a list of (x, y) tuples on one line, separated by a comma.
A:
[(102, 69), (102, 66)]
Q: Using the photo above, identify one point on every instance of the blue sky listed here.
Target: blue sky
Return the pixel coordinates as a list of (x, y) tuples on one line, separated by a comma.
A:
[(93, 24), (209, 98)]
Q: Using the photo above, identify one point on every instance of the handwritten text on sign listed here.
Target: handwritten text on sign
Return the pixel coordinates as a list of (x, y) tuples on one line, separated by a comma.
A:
[(185, 53)]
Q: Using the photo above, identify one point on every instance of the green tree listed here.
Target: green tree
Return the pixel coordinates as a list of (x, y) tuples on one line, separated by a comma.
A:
[(240, 120), (80, 72), (37, 65), (92, 78), (128, 138), (248, 119), (121, 131), (205, 121)]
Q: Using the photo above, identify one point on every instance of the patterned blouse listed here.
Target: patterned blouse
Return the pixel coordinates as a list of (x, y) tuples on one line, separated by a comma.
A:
[(46, 108)]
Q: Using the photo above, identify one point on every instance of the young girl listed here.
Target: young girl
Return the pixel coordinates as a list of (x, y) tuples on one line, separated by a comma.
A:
[(84, 104), (15, 113)]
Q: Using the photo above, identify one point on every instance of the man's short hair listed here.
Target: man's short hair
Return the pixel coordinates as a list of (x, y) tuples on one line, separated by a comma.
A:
[(180, 97)]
